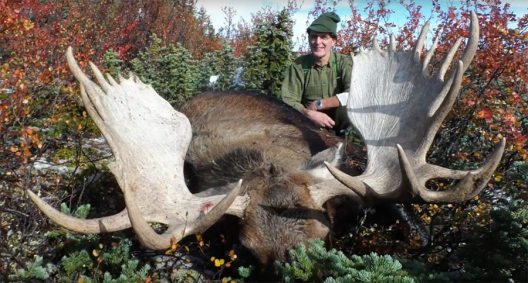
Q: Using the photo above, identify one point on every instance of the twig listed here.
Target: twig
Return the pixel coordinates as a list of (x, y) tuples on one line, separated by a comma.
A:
[(8, 210)]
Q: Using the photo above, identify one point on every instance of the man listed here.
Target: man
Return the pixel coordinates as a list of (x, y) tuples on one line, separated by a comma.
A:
[(317, 84)]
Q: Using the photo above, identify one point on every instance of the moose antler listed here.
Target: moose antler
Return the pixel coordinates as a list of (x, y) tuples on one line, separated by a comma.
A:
[(397, 107), (149, 140)]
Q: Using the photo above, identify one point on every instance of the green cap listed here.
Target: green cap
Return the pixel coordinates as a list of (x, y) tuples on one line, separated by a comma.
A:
[(327, 22)]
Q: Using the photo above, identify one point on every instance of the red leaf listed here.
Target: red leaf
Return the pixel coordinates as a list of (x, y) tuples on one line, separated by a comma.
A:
[(509, 119), (519, 140), (486, 114)]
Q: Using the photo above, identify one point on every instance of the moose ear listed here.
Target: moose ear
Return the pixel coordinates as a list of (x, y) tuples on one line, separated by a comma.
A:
[(316, 167)]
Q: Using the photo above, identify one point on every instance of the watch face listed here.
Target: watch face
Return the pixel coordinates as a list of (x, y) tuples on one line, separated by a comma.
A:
[(318, 104)]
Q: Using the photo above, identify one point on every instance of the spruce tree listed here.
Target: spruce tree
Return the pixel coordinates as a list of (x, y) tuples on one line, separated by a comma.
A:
[(170, 69), (268, 58)]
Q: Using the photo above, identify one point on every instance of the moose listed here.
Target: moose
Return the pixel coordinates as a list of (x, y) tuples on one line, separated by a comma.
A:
[(256, 158)]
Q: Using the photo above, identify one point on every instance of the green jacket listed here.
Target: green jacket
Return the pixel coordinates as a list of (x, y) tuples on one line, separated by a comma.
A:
[(305, 82)]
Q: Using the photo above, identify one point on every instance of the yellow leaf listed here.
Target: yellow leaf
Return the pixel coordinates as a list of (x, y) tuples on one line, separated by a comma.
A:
[(219, 262), (28, 24), (232, 255), (498, 177)]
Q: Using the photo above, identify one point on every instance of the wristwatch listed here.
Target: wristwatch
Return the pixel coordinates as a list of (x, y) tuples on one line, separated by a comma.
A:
[(319, 104)]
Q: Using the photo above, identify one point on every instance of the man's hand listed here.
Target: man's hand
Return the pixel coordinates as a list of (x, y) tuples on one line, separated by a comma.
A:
[(319, 118)]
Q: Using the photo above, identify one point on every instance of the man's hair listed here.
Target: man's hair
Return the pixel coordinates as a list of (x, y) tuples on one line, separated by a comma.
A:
[(334, 36)]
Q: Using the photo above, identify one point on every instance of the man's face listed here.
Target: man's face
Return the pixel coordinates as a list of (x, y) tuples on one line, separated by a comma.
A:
[(321, 43)]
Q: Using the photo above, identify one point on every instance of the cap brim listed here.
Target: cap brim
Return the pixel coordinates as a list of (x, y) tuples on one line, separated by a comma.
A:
[(319, 29)]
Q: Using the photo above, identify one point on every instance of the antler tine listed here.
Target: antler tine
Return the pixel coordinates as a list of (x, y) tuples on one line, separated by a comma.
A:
[(362, 189), (409, 177), (94, 100), (442, 106), (136, 78), (472, 44), (469, 51), (354, 184), (486, 171), (361, 49), (100, 78), (120, 78), (91, 95), (447, 60), (111, 80), (106, 224), (417, 51), (322, 192), (149, 238), (392, 44), (91, 110), (470, 185), (428, 56), (74, 67), (375, 44)]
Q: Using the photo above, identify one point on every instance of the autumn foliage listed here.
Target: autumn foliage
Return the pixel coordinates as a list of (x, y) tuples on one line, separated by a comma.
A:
[(34, 35), (40, 112)]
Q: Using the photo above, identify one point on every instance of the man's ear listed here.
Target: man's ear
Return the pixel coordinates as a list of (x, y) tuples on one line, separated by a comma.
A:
[(316, 167)]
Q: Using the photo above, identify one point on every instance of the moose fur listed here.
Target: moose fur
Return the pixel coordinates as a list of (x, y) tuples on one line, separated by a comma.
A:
[(266, 142)]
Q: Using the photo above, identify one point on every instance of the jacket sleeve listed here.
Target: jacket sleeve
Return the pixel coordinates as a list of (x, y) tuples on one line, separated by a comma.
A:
[(346, 76), (346, 72), (292, 87)]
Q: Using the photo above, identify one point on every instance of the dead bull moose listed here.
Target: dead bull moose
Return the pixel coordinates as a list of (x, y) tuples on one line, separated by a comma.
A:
[(278, 156)]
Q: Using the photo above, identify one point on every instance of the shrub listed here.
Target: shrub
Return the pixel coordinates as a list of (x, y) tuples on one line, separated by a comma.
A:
[(221, 63), (315, 263), (170, 69), (499, 251)]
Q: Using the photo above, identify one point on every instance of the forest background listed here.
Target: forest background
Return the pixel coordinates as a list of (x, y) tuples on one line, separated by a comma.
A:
[(49, 145)]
